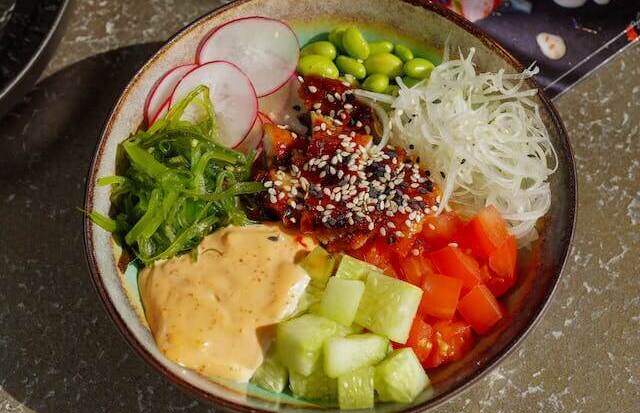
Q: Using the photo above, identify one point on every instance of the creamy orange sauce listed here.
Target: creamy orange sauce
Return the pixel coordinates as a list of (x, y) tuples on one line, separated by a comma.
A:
[(211, 315)]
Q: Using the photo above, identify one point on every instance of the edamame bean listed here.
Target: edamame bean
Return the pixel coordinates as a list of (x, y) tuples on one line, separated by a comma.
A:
[(335, 36), (418, 68), (351, 66), (376, 83), (392, 90), (404, 53), (384, 46), (409, 81), (350, 79), (318, 65), (355, 44), (384, 64), (322, 48)]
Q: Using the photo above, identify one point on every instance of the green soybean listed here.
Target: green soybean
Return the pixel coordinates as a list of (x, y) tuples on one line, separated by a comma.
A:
[(392, 90), (335, 36), (350, 79), (318, 65), (404, 53), (322, 48), (384, 46), (351, 66), (355, 44), (376, 83), (418, 68), (410, 81), (384, 64)]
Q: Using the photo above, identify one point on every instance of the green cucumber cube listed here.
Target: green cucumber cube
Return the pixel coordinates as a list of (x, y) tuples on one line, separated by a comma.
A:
[(353, 269), (356, 390), (388, 306), (400, 377), (309, 298), (343, 331), (271, 375), (340, 300), (315, 386), (319, 264), (345, 354), (299, 341)]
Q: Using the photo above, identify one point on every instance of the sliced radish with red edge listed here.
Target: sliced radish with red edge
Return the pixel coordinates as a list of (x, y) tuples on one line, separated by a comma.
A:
[(266, 49), (253, 139), (163, 111), (232, 94), (162, 90)]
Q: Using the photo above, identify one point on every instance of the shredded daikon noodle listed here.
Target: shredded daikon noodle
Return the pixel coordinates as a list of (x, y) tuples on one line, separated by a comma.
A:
[(482, 137)]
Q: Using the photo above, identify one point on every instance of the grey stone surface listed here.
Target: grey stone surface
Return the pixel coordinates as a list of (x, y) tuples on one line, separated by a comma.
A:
[(59, 352)]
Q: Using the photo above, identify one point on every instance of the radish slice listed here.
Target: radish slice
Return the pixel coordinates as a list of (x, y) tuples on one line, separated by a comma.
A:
[(283, 106), (162, 90), (265, 49), (265, 119), (253, 139), (163, 111), (232, 94)]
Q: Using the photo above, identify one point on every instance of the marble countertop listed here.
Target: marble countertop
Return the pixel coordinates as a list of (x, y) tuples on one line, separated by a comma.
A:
[(59, 352)]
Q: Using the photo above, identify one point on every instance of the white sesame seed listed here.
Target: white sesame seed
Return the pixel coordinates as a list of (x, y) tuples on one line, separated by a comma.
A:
[(358, 124), (273, 199), (453, 244), (348, 106), (313, 89), (268, 184), (399, 234), (301, 79), (317, 105), (331, 98), (432, 227), (370, 226), (383, 231), (415, 252), (281, 195), (292, 219)]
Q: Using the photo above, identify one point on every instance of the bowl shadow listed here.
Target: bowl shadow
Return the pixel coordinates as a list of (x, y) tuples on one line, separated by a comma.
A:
[(59, 351)]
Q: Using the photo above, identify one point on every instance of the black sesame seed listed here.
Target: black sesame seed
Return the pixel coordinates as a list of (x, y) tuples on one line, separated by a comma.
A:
[(412, 146), (443, 175), (297, 108), (273, 238)]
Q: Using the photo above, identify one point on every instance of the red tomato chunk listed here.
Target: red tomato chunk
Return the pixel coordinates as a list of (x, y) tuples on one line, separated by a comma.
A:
[(480, 309)]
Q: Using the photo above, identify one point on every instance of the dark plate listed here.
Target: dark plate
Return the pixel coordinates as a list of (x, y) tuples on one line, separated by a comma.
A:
[(27, 41)]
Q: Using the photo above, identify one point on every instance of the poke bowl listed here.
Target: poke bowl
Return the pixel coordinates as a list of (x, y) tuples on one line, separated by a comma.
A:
[(329, 205)]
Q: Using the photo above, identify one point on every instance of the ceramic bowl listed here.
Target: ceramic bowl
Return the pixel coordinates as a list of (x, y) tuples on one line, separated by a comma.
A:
[(423, 26)]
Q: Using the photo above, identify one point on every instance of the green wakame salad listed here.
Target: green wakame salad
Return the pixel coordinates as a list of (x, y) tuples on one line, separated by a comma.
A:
[(177, 185)]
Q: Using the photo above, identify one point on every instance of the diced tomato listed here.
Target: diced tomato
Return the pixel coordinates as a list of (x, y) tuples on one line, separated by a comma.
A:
[(486, 232), (413, 268), (420, 339), (503, 260), (497, 285), (452, 339), (453, 262), (438, 231), (378, 253), (480, 309), (440, 296), (404, 245)]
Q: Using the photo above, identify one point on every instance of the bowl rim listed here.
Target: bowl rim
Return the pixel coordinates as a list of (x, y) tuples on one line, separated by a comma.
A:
[(429, 404)]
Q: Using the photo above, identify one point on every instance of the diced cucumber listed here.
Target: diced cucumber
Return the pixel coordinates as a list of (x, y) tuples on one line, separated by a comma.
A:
[(299, 341), (400, 377), (356, 390), (271, 375), (340, 300), (345, 354), (343, 331), (353, 269), (315, 386), (309, 298), (388, 306), (319, 264)]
